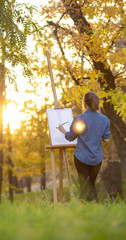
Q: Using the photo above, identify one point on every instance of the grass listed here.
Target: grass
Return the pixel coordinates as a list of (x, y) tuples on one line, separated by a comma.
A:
[(31, 217)]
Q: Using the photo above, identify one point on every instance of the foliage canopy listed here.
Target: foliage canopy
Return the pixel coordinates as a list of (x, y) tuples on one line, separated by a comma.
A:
[(91, 41)]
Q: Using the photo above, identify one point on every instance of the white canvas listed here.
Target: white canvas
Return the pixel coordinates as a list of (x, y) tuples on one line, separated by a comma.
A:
[(56, 117)]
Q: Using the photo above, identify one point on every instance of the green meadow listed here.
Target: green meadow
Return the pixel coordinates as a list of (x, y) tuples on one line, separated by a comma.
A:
[(31, 217)]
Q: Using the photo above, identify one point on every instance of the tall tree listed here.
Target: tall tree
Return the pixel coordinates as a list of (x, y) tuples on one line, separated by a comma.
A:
[(31, 138), (16, 23), (87, 31)]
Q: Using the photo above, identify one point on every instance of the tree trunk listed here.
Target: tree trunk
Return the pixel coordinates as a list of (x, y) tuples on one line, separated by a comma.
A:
[(10, 167), (28, 183), (2, 87), (118, 128), (112, 179), (10, 179), (43, 176), (18, 186)]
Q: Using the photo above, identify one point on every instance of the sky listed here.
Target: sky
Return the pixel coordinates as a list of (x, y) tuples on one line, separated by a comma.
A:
[(11, 111)]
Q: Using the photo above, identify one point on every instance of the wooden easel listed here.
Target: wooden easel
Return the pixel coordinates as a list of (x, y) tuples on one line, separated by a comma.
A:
[(62, 149)]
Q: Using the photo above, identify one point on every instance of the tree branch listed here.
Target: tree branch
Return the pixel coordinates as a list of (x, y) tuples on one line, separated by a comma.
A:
[(118, 74), (62, 51), (115, 37), (75, 12), (62, 16), (66, 61)]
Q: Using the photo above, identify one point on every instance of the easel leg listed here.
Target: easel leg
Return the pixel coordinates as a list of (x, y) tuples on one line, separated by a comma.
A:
[(53, 176), (68, 172), (61, 175)]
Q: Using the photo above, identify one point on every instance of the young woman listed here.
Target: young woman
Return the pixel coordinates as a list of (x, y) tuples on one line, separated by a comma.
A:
[(90, 128)]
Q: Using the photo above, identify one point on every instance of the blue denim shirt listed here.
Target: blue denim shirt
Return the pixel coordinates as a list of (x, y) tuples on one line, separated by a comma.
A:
[(88, 149)]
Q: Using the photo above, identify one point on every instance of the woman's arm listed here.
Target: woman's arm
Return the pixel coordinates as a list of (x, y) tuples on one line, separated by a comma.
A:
[(61, 129), (70, 135)]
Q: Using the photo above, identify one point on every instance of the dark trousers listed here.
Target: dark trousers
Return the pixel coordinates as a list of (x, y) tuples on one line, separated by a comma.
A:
[(87, 177)]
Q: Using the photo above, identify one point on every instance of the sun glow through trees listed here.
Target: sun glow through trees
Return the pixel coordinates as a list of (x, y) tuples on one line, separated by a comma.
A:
[(11, 115)]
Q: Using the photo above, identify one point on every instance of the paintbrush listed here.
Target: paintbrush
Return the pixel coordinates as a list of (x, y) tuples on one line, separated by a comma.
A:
[(62, 124)]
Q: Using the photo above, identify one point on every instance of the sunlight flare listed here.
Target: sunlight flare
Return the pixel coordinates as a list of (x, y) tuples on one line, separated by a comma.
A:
[(11, 115), (79, 126)]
